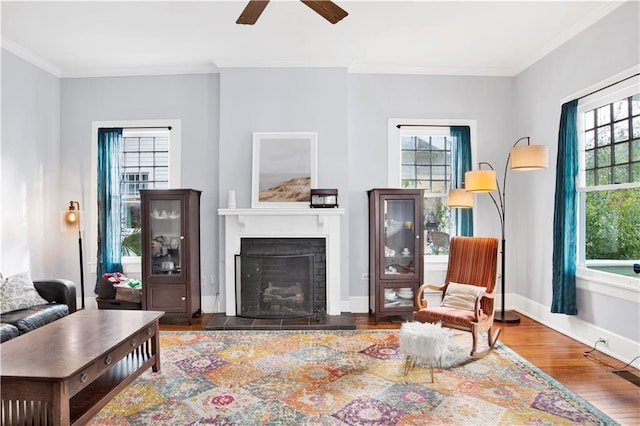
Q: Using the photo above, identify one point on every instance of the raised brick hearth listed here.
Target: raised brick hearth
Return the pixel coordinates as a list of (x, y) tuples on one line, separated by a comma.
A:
[(344, 321)]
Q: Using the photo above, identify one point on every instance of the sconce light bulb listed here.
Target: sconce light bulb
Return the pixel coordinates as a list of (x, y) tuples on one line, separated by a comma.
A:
[(71, 217)]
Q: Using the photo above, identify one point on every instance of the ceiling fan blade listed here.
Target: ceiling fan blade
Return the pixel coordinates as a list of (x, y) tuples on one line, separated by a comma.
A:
[(327, 9), (252, 12)]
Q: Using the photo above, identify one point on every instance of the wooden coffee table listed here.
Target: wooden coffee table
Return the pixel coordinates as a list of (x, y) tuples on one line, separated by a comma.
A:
[(66, 371)]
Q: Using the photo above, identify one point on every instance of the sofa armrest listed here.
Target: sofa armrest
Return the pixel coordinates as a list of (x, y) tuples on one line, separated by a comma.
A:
[(58, 291)]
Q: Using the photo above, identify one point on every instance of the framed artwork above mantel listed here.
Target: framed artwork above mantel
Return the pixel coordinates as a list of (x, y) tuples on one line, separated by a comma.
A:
[(284, 169)]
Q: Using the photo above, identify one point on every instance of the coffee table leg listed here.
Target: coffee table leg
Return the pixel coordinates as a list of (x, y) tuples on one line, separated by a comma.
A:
[(60, 405), (155, 348)]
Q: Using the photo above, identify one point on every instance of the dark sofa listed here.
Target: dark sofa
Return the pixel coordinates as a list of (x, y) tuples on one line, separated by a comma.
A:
[(61, 295)]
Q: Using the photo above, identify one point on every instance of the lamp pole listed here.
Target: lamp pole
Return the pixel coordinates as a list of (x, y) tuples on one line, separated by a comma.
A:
[(530, 157), (522, 158), (81, 267), (73, 217), (500, 203)]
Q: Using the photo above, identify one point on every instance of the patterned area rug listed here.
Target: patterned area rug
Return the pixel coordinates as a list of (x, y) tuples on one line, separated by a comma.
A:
[(337, 378)]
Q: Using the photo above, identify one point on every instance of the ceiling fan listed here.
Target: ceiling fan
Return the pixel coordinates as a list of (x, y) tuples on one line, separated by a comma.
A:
[(327, 9)]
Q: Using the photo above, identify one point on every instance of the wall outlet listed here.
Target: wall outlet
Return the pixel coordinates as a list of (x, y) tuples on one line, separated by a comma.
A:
[(603, 339), (365, 276)]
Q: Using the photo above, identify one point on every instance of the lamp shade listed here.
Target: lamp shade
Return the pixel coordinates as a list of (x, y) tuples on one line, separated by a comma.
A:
[(480, 181), (460, 199), (529, 157)]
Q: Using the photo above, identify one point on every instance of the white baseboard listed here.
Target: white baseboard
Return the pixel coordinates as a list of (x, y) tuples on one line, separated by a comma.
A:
[(619, 347), (210, 304)]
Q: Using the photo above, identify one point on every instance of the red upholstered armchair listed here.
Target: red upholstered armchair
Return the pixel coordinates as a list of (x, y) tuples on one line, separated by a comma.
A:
[(468, 291)]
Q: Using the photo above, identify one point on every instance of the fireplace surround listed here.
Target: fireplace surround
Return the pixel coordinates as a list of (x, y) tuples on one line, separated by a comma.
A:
[(280, 223)]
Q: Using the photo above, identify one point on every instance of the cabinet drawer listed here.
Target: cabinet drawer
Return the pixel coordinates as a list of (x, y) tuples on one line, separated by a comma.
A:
[(167, 297), (84, 378), (125, 348)]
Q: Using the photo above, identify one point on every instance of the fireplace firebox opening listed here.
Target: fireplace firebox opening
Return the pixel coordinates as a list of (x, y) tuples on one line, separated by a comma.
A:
[(281, 278)]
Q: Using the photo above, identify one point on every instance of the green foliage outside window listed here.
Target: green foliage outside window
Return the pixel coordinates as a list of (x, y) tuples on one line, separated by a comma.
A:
[(132, 243), (613, 224)]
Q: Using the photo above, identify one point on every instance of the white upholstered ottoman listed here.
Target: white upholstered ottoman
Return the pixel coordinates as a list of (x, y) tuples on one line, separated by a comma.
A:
[(423, 342)]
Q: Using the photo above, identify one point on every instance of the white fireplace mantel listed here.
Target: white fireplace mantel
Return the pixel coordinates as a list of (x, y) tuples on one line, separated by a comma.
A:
[(283, 223)]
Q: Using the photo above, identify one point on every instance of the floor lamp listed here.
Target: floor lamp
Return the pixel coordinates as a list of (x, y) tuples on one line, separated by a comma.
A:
[(72, 217), (521, 158)]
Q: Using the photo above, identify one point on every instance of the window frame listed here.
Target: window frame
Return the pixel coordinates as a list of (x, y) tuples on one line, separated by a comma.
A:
[(130, 264), (394, 157), (607, 93)]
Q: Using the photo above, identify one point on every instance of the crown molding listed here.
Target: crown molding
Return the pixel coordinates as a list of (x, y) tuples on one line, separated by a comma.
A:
[(451, 71), (31, 57), (137, 71), (34, 59)]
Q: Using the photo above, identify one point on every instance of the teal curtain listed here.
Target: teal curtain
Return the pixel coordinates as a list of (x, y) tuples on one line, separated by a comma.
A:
[(461, 163), (109, 232), (565, 214)]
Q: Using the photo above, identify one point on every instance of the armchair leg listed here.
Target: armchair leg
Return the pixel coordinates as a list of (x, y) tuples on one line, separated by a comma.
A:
[(491, 340)]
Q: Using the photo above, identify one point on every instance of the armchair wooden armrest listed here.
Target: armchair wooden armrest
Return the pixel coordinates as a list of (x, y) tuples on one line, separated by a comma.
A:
[(484, 294), (420, 303), (477, 310)]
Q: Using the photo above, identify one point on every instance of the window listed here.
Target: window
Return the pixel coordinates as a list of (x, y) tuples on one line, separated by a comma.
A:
[(426, 164), (420, 156), (609, 179), (149, 159), (144, 164)]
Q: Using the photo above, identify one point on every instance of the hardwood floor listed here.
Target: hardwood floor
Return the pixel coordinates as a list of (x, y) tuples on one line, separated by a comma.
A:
[(554, 353)]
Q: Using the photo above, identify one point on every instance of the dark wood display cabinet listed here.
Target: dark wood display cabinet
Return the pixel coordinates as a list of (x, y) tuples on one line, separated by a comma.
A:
[(395, 251), (171, 252)]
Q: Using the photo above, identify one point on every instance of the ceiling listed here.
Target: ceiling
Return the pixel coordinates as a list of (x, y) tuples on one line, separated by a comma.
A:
[(103, 38)]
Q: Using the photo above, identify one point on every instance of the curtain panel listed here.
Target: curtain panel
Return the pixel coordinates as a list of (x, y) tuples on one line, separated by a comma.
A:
[(461, 163), (565, 214), (109, 230)]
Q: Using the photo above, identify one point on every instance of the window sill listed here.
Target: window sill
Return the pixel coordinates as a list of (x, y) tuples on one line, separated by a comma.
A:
[(619, 286), (434, 263), (130, 265), (436, 258)]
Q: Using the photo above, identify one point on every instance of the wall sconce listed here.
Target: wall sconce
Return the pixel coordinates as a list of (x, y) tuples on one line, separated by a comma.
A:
[(521, 158), (72, 218)]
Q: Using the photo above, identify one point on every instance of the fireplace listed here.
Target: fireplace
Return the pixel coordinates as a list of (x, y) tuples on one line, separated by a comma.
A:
[(281, 278), (320, 225)]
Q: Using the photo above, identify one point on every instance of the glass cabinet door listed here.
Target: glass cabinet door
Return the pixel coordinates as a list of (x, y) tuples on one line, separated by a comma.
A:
[(166, 237), (398, 297), (399, 237)]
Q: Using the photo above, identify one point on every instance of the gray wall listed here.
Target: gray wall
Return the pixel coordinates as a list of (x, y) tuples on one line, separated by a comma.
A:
[(375, 98), (284, 100), (29, 156), (191, 98), (610, 46)]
